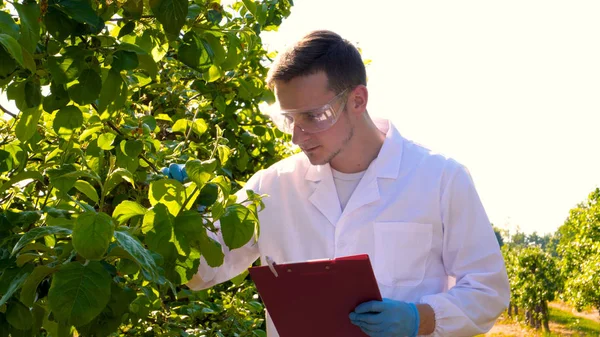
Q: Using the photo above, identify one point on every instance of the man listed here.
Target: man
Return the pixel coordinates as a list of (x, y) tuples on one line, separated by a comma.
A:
[(360, 187)]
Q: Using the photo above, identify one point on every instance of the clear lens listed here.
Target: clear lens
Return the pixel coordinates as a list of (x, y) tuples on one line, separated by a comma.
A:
[(311, 121)]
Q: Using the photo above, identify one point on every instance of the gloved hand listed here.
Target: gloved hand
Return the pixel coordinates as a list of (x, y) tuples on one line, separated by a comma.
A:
[(387, 318), (175, 171)]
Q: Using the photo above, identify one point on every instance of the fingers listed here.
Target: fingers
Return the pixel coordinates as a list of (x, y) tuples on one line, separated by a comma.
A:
[(368, 318), (371, 306), (369, 329), (175, 172)]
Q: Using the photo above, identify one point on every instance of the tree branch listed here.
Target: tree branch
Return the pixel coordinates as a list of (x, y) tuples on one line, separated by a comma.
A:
[(7, 112)]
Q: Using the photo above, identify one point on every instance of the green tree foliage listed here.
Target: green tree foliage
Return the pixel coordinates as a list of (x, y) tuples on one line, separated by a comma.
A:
[(92, 237), (534, 280), (579, 251)]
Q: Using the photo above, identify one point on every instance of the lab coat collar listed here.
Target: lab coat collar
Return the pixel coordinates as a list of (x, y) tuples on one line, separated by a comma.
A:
[(387, 163)]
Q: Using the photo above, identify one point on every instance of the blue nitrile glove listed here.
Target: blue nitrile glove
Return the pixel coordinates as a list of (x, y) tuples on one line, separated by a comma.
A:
[(175, 171), (386, 318)]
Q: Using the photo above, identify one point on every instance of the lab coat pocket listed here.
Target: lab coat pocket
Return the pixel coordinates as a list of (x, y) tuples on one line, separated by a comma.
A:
[(401, 252)]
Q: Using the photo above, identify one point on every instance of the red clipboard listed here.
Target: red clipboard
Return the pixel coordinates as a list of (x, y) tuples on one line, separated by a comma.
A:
[(314, 298)]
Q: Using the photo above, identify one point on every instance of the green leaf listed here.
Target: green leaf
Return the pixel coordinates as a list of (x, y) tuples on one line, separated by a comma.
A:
[(116, 177), (217, 48), (238, 225), (28, 290), (8, 64), (214, 16), (87, 189), (20, 177), (134, 8), (29, 14), (126, 29), (81, 11), (181, 125), (214, 73), (132, 48), (33, 94), (234, 53), (212, 252), (8, 25), (67, 120), (105, 141), (27, 124), (192, 52), (13, 47), (200, 172), (58, 98), (64, 69), (169, 192), (132, 148), (19, 316), (171, 14), (209, 194), (59, 178), (159, 225), (251, 6), (126, 210), (92, 234), (58, 24), (124, 60), (14, 285), (110, 90), (87, 89), (79, 293), (224, 153), (36, 233), (140, 254)]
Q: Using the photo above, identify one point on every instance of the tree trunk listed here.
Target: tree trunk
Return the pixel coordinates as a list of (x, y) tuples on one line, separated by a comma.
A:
[(528, 318), (545, 316), (510, 306)]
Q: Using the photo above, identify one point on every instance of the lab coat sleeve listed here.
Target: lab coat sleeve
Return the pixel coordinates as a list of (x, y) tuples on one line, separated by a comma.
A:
[(472, 255), (235, 261)]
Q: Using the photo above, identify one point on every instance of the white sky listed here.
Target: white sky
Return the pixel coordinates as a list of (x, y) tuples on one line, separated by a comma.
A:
[(511, 89)]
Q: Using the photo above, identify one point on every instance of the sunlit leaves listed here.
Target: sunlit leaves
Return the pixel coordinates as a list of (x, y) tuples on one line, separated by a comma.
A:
[(126, 210), (27, 124), (168, 192), (67, 120), (193, 51)]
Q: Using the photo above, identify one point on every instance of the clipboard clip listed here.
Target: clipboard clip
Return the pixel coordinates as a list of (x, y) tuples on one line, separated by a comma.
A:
[(271, 265)]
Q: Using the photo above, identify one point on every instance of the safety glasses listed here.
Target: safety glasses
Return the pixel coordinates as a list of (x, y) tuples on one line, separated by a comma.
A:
[(312, 120)]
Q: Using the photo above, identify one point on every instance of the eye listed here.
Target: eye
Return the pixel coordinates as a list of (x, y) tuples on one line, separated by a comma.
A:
[(314, 116)]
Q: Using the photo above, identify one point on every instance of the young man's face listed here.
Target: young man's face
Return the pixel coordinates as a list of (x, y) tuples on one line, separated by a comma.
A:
[(310, 92)]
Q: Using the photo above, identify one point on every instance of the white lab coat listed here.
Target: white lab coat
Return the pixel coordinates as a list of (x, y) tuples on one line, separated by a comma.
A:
[(416, 213)]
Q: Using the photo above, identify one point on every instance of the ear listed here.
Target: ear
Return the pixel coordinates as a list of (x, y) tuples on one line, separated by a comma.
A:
[(357, 100)]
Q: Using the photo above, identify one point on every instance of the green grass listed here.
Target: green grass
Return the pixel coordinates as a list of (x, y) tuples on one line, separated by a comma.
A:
[(583, 325), (576, 326)]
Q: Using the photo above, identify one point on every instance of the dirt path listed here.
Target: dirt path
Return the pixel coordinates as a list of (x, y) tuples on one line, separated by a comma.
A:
[(592, 315)]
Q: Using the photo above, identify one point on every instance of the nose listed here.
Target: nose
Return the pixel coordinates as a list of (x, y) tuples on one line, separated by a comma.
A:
[(299, 136)]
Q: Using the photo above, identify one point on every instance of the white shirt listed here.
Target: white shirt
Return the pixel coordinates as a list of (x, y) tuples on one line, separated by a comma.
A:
[(345, 184), (415, 213)]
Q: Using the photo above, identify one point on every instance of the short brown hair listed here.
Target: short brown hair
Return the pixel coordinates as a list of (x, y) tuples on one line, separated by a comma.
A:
[(321, 50)]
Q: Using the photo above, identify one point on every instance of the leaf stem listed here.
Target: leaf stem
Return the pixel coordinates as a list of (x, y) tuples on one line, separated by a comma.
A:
[(187, 200), (8, 112), (112, 126)]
